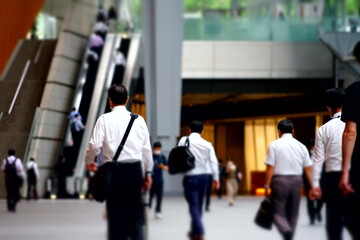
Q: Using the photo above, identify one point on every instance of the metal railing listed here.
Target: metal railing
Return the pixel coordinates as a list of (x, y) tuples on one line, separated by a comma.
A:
[(26, 68)]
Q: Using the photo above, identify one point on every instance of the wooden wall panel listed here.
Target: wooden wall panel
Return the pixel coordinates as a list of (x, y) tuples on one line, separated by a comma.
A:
[(16, 19)]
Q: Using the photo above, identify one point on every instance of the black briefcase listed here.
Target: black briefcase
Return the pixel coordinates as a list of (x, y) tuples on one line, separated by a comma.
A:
[(264, 215)]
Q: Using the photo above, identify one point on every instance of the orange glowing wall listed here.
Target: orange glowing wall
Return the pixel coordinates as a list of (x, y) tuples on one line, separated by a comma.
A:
[(16, 19)]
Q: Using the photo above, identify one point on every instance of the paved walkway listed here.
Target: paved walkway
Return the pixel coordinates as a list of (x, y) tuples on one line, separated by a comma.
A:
[(82, 220)]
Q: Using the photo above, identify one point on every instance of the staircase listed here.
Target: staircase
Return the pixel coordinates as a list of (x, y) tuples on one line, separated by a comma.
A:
[(15, 127)]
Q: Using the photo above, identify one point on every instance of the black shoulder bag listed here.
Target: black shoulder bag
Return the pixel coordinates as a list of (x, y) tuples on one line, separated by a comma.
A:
[(181, 159), (102, 178)]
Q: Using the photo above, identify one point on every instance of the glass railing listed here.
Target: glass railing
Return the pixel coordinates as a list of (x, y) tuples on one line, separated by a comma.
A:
[(264, 29)]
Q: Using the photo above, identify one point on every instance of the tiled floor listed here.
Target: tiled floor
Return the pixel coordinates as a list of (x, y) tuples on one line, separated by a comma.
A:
[(82, 220)]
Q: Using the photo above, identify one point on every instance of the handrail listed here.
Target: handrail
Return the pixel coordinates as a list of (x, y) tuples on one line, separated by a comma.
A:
[(33, 132), (99, 90), (38, 52), (19, 86)]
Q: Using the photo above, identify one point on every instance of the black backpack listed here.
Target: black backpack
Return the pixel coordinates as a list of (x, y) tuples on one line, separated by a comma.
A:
[(181, 159), (10, 169), (31, 174)]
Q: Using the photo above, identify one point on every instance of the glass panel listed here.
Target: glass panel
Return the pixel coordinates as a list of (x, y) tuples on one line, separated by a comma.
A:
[(268, 20)]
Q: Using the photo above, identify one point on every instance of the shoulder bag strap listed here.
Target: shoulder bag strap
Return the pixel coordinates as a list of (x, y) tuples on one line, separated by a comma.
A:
[(121, 146), (187, 142)]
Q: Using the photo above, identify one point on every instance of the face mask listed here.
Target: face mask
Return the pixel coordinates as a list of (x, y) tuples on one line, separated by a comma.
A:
[(157, 152)]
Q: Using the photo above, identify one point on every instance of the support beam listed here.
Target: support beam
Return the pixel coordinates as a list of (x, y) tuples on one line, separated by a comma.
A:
[(163, 34)]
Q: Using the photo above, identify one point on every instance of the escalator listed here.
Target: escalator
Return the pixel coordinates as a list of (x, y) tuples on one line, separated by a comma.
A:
[(94, 101)]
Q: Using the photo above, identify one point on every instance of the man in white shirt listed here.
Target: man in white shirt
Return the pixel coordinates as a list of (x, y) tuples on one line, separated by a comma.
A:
[(286, 160), (124, 203), (328, 151), (13, 169), (32, 172), (120, 63), (196, 179)]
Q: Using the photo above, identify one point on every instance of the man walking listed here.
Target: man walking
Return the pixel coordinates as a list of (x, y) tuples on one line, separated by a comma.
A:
[(157, 187), (124, 203), (13, 169), (328, 151), (32, 172), (195, 180), (285, 162), (350, 180)]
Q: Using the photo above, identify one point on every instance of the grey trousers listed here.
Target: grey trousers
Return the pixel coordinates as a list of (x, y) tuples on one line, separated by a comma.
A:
[(285, 197)]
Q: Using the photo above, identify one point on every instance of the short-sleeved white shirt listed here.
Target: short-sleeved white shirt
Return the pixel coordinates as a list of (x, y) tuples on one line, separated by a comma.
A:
[(288, 156)]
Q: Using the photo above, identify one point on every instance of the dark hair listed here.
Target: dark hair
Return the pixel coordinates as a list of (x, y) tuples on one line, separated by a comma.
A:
[(11, 152), (285, 126), (356, 51), (196, 126), (334, 98), (157, 144), (32, 159), (118, 94)]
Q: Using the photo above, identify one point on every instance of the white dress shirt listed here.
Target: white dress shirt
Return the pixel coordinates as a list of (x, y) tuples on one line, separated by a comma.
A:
[(288, 156), (101, 27), (119, 58), (328, 144), (32, 164), (18, 164), (108, 133), (204, 154)]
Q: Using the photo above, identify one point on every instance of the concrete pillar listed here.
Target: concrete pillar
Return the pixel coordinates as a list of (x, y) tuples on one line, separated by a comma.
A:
[(163, 34)]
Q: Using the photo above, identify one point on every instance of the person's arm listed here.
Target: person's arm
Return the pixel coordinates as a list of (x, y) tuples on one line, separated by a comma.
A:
[(348, 143), (214, 167), (308, 170), (270, 166), (318, 162), (20, 168), (163, 165), (95, 145), (268, 175), (36, 169), (147, 155)]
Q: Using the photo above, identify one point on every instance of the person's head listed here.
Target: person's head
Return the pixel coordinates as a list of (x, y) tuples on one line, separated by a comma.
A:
[(334, 99), (196, 126), (157, 148), (356, 52), (73, 109), (118, 95), (76, 115), (11, 152), (32, 159), (285, 126)]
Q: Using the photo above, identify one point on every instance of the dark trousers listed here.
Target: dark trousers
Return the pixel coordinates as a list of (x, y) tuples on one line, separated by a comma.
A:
[(31, 190), (13, 194), (285, 197), (156, 190), (124, 204), (335, 206), (208, 192), (194, 190), (352, 212)]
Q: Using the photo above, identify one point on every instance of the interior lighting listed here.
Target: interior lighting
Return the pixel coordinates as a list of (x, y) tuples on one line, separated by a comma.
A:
[(261, 191)]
